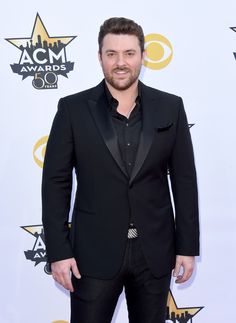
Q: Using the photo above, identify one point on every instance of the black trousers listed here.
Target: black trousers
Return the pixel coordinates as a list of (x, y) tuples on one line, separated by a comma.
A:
[(94, 300)]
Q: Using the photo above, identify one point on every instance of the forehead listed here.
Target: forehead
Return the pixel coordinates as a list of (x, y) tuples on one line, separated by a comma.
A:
[(120, 42)]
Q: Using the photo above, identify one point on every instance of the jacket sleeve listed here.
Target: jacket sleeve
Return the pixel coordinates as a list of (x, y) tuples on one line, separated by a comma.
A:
[(57, 185), (184, 189)]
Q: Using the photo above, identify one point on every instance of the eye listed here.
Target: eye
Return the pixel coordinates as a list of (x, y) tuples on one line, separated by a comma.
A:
[(39, 151), (130, 54), (159, 51), (110, 54)]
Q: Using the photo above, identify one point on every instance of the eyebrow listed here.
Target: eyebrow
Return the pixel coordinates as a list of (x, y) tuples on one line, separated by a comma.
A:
[(115, 51)]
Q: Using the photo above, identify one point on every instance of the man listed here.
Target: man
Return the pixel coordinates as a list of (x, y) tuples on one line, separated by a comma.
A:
[(121, 137)]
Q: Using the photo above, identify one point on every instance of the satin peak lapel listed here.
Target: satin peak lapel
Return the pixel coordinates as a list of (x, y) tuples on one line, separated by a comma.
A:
[(146, 136), (103, 121)]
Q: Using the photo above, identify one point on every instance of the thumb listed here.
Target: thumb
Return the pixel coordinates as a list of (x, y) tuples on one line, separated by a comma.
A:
[(177, 269), (75, 270)]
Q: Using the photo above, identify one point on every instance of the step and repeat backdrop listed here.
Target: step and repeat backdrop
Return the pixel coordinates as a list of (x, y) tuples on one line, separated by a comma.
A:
[(49, 50)]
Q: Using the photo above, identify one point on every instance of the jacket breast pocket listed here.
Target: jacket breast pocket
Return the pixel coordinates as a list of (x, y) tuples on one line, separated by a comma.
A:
[(163, 141), (164, 128)]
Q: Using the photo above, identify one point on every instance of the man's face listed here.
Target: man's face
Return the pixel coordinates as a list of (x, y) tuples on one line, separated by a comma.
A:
[(121, 60)]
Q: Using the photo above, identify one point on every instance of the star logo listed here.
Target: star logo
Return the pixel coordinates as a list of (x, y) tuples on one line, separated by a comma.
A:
[(42, 56), (180, 314), (38, 253)]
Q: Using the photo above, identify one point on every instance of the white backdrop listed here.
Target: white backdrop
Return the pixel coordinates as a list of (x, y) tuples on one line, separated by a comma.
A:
[(202, 71)]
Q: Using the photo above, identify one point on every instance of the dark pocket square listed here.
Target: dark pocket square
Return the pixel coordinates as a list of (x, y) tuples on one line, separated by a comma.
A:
[(164, 128)]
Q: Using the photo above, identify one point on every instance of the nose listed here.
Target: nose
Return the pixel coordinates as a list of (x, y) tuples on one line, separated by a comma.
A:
[(120, 60)]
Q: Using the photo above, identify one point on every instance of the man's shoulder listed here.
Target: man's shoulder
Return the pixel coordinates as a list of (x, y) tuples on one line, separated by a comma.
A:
[(84, 95), (156, 93)]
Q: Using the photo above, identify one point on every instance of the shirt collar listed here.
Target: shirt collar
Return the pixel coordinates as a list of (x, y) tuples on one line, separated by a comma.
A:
[(113, 103)]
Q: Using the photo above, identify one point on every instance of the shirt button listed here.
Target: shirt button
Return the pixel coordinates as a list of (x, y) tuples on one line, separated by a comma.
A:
[(129, 164), (127, 124), (128, 143)]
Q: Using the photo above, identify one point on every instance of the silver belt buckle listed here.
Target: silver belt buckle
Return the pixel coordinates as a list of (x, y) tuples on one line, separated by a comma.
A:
[(132, 233)]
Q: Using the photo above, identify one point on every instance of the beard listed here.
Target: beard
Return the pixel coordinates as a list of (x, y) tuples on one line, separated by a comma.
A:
[(121, 84)]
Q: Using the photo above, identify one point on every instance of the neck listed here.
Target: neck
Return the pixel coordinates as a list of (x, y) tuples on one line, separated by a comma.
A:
[(128, 95)]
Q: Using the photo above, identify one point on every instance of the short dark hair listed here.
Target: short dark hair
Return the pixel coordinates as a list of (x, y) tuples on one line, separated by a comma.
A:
[(120, 25)]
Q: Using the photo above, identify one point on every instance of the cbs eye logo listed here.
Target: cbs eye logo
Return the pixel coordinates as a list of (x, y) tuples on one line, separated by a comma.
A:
[(159, 51), (39, 151)]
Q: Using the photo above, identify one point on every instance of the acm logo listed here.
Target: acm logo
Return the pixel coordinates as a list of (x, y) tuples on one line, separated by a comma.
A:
[(42, 57)]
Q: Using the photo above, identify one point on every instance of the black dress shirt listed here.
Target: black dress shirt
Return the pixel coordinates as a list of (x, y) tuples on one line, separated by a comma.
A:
[(128, 132), (127, 129)]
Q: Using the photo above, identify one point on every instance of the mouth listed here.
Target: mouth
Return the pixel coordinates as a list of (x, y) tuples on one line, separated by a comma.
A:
[(121, 72)]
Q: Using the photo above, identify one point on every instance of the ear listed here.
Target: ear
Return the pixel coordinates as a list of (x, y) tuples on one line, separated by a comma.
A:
[(143, 56), (99, 58)]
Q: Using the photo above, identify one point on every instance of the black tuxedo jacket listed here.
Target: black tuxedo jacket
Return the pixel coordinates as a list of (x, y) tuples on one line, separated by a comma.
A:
[(82, 137)]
